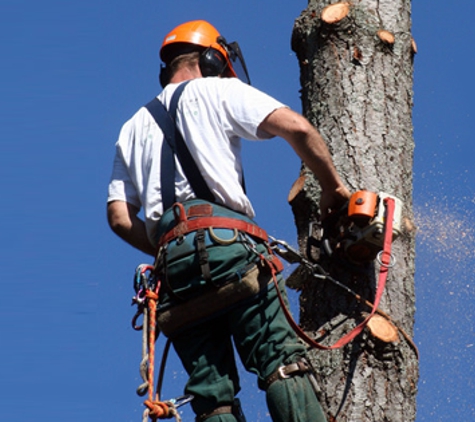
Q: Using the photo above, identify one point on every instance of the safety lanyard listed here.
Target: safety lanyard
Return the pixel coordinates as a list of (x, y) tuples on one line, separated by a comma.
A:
[(385, 264)]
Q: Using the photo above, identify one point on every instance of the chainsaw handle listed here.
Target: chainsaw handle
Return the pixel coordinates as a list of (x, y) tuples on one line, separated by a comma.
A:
[(332, 218)]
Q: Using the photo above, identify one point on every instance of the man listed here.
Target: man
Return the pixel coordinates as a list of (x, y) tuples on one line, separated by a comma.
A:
[(214, 110)]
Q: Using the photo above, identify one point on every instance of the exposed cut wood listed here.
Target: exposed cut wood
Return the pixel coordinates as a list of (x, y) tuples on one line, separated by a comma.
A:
[(335, 12), (296, 188), (414, 46), (386, 36), (383, 329)]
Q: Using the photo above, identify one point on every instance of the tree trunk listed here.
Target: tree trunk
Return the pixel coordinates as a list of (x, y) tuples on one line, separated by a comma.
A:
[(356, 64)]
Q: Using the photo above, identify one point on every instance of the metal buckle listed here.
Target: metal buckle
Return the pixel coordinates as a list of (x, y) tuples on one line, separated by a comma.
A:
[(281, 372), (216, 238), (180, 239)]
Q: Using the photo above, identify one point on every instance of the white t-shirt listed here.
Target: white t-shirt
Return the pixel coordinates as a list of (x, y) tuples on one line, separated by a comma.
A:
[(212, 115)]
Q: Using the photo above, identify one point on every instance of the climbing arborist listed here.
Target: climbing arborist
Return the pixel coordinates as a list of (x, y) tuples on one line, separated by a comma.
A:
[(178, 158)]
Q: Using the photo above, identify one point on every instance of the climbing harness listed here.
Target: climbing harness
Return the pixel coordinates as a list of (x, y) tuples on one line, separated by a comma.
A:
[(147, 287), (197, 237), (185, 226)]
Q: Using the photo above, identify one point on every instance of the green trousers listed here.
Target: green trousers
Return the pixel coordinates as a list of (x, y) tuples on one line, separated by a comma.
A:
[(264, 341)]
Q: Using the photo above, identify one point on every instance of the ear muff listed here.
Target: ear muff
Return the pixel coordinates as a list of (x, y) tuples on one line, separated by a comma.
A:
[(164, 76), (212, 62)]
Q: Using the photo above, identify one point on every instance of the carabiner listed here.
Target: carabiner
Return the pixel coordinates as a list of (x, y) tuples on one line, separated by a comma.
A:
[(135, 318), (140, 278), (284, 250), (182, 400)]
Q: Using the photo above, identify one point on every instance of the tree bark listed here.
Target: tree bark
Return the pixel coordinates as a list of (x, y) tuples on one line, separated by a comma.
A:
[(356, 64)]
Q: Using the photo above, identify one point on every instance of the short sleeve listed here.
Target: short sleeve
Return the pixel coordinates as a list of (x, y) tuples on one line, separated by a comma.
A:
[(121, 187), (246, 108)]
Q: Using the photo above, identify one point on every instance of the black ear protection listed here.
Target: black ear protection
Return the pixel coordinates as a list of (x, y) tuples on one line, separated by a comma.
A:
[(164, 76), (212, 62)]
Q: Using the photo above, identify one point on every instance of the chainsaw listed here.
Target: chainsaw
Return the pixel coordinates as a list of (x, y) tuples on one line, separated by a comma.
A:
[(356, 232)]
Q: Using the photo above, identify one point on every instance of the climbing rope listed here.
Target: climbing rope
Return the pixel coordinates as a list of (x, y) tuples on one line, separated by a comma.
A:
[(152, 327), (147, 299)]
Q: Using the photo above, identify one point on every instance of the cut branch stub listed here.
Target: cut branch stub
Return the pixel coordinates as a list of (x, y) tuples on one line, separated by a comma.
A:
[(414, 46), (296, 188), (386, 37), (334, 13), (383, 329)]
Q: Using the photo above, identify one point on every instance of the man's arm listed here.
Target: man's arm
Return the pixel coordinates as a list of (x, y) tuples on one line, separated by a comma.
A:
[(310, 147), (124, 222)]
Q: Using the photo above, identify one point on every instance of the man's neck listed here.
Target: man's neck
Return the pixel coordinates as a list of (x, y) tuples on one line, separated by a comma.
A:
[(185, 74)]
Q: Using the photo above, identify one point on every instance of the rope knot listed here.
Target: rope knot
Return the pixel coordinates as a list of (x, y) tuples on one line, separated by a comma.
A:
[(149, 294), (158, 410)]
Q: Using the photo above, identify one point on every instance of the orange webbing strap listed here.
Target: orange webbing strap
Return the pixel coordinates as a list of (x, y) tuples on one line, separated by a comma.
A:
[(383, 273)]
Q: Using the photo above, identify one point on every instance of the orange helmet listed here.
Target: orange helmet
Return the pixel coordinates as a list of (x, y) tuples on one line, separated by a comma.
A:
[(217, 58), (199, 33)]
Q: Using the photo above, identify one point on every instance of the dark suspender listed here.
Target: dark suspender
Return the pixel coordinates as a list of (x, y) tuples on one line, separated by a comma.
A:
[(175, 145)]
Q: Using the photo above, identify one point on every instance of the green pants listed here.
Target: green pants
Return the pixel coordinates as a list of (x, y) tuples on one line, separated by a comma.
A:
[(264, 341)]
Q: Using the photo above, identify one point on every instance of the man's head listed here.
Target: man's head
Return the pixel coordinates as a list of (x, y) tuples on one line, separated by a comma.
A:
[(200, 40)]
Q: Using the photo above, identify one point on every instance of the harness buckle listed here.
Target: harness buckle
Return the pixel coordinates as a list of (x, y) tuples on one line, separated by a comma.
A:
[(282, 373), (285, 372)]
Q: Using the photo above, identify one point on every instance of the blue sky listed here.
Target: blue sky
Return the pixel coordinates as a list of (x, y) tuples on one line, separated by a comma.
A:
[(72, 73)]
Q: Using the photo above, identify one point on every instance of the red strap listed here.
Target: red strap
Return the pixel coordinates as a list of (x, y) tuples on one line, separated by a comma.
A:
[(383, 273), (187, 226)]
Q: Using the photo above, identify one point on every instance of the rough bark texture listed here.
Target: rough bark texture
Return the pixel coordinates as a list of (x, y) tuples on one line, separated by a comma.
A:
[(357, 90)]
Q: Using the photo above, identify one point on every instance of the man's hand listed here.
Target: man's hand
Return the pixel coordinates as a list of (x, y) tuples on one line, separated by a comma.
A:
[(333, 200)]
